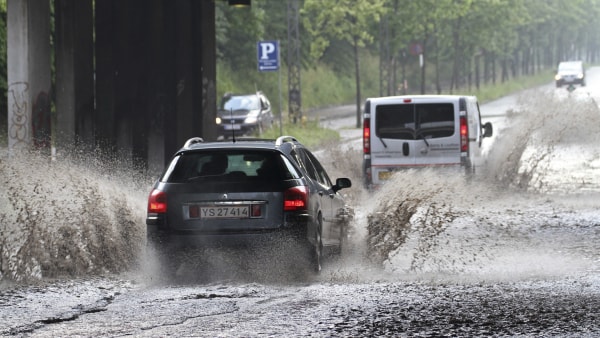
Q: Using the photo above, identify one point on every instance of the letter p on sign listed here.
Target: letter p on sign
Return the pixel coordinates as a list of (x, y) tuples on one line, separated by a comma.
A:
[(266, 49)]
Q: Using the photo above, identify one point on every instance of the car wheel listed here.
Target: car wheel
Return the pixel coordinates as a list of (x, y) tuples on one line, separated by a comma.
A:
[(168, 261), (316, 256), (167, 258)]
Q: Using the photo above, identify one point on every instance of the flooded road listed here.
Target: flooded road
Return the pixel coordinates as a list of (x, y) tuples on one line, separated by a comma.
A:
[(514, 251)]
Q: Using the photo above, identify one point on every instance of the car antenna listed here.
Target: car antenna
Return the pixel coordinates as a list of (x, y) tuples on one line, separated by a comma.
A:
[(232, 123)]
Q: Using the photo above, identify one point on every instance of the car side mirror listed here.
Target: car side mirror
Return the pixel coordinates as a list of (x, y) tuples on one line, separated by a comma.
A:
[(488, 131), (341, 183)]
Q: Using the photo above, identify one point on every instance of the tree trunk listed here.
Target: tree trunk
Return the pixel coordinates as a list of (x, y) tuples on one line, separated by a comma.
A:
[(357, 70), (424, 48), (504, 74), (455, 72), (477, 76)]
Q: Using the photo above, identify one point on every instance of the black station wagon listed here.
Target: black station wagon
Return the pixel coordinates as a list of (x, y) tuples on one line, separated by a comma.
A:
[(247, 191)]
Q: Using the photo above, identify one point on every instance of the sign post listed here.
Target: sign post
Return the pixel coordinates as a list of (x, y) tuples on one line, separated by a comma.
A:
[(268, 61)]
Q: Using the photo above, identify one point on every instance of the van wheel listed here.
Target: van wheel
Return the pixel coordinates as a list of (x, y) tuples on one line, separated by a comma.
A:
[(470, 171)]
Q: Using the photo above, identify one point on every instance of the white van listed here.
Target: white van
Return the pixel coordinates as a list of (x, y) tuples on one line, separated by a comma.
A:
[(420, 130)]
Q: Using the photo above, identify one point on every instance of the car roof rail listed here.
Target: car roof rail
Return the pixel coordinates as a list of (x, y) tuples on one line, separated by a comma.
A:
[(286, 138), (193, 141)]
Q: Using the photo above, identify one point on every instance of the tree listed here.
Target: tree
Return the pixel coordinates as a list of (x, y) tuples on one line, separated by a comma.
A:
[(346, 20), (3, 62)]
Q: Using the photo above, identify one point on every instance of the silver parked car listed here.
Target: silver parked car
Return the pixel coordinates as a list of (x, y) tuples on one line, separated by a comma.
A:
[(247, 192), (244, 115), (570, 73)]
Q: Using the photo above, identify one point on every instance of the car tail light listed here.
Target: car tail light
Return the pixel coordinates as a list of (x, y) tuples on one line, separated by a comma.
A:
[(367, 136), (464, 135), (157, 202), (295, 198)]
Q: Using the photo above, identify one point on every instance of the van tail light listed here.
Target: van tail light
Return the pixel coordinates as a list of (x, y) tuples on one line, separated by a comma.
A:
[(464, 135), (367, 136), (295, 198), (157, 202)]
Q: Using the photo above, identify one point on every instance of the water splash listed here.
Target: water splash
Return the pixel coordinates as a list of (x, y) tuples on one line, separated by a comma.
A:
[(74, 216), (503, 222)]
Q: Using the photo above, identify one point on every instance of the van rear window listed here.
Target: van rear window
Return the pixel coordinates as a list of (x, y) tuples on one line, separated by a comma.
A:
[(414, 121)]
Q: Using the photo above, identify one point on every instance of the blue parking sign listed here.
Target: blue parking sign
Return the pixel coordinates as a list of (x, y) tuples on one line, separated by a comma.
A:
[(268, 55)]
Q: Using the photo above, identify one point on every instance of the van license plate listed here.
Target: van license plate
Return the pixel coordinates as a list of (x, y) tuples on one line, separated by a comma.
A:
[(384, 175), (235, 212)]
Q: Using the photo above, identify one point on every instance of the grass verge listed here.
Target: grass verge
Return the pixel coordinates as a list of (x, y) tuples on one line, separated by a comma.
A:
[(308, 132), (313, 136), (491, 92)]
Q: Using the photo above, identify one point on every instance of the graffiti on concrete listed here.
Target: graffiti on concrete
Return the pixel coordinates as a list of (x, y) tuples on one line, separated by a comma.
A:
[(18, 119)]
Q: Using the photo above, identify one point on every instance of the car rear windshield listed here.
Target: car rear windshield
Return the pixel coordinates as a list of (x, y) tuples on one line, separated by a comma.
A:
[(229, 165), (414, 121), (249, 102), (569, 67)]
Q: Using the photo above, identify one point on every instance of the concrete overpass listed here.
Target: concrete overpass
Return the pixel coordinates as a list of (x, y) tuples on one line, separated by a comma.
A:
[(133, 77)]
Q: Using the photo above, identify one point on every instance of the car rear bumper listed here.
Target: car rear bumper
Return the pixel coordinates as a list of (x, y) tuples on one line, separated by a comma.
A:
[(159, 235), (378, 175)]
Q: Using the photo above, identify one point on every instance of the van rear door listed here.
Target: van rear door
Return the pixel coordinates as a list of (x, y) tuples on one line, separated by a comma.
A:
[(392, 139), (412, 133), (437, 137)]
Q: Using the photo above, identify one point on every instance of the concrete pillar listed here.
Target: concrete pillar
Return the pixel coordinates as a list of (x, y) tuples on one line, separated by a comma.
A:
[(29, 76), (208, 71), (104, 119), (155, 76), (184, 121), (74, 88), (196, 70), (120, 76), (161, 81)]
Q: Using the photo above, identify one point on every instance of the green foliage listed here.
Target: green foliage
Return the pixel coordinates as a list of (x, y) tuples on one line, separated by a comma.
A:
[(233, 27), (308, 132), (346, 20), (322, 85)]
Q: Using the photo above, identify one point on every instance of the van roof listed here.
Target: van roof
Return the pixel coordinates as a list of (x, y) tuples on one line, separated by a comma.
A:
[(420, 98)]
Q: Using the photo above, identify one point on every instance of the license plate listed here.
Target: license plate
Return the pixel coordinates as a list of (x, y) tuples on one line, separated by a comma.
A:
[(384, 175), (238, 211), (232, 126)]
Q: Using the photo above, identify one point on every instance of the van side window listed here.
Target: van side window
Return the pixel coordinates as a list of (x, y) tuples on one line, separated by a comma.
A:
[(414, 121)]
